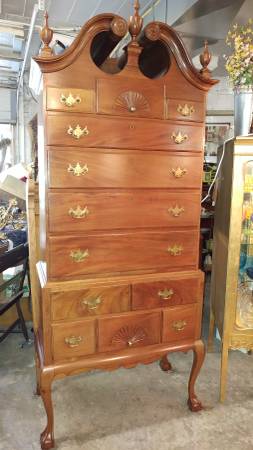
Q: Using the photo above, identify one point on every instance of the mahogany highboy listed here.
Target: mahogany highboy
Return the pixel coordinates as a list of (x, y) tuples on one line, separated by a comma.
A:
[(120, 166)]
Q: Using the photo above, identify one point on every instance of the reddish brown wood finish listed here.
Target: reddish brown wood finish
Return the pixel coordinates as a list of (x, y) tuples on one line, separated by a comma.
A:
[(127, 150), (123, 169), (73, 339), (165, 293), (83, 100), (123, 133), (135, 100), (129, 331), (179, 323), (70, 305), (187, 110), (122, 252), (108, 210)]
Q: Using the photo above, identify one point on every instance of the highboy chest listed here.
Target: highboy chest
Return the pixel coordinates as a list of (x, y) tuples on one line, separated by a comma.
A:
[(120, 165)]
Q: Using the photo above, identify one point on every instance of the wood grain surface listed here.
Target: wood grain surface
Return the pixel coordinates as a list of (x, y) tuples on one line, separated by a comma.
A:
[(108, 210)]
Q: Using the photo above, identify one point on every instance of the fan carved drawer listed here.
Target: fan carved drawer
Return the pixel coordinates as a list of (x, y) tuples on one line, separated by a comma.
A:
[(138, 101), (129, 331)]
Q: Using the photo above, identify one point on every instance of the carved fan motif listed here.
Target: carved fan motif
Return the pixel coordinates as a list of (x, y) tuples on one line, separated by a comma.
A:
[(132, 101), (129, 336)]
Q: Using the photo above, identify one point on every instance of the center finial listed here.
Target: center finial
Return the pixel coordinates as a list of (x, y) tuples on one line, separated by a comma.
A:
[(135, 22)]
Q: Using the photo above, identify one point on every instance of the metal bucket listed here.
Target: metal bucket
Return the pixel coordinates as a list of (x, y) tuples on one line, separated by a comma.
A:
[(243, 102)]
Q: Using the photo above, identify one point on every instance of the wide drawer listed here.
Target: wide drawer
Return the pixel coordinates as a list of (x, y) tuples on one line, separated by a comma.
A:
[(70, 99), (107, 210), (181, 322), (129, 331), (73, 339), (123, 169), (165, 293), (120, 252), (89, 302), (177, 109), (87, 131), (145, 99)]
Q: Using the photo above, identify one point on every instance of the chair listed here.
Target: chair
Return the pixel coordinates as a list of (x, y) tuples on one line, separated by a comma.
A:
[(12, 290)]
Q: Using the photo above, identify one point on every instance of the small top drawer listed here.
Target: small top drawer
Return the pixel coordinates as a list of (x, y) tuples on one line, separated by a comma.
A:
[(177, 109), (141, 100), (70, 99), (89, 302), (165, 293)]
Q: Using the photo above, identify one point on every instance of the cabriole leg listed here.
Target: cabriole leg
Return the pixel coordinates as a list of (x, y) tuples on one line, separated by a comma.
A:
[(199, 355), (38, 370), (165, 364), (47, 436)]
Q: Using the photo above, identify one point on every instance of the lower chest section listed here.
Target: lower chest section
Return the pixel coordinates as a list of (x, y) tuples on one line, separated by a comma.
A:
[(111, 318)]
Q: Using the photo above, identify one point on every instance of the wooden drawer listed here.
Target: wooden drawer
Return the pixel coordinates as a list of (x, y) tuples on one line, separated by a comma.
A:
[(185, 110), (70, 99), (107, 210), (120, 252), (73, 339), (181, 323), (142, 100), (88, 302), (123, 169), (123, 133), (128, 331), (165, 293)]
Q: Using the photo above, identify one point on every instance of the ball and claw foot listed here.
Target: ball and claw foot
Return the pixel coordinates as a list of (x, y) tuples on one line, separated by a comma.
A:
[(165, 364), (46, 440), (194, 404)]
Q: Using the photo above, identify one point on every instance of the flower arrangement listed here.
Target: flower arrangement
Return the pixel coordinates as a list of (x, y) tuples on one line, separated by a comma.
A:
[(239, 64)]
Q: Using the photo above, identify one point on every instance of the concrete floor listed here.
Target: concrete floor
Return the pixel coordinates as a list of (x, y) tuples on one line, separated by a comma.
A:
[(138, 409)]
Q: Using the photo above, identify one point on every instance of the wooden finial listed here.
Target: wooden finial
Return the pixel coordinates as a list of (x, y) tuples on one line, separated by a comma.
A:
[(46, 36), (205, 59), (135, 23)]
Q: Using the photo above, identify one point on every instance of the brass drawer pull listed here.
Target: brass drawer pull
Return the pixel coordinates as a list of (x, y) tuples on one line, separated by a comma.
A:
[(79, 255), (78, 213), (73, 341), (70, 100), (78, 170), (178, 138), (185, 110), (178, 172), (176, 211), (78, 132), (179, 325), (92, 303), (175, 250), (166, 294)]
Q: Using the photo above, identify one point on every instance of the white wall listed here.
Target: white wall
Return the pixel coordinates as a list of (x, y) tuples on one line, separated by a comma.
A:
[(221, 97)]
